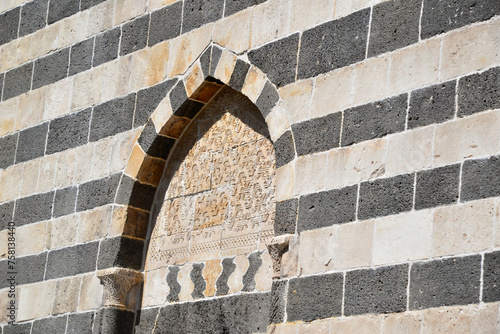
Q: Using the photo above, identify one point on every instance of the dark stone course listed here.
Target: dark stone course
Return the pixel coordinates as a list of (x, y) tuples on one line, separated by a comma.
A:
[(8, 150), (385, 197), (214, 60), (267, 99), (68, 131), (445, 15), (454, 281), (333, 44), (65, 201), (53, 325), (284, 149), (31, 268), (97, 192), (9, 22), (17, 81), (120, 251), (480, 179), (34, 208), (17, 328), (112, 117), (135, 194), (178, 95), (239, 75), (164, 323), (6, 214), (80, 323), (148, 99), (189, 109), (155, 144), (374, 120), (394, 25), (205, 61), (255, 261), (234, 6), (134, 35), (165, 23), (327, 208), (33, 17), (115, 321), (431, 105), (228, 268), (491, 277), (278, 59), (31, 143), (285, 220), (81, 56), (381, 290), (51, 68), (278, 302), (72, 261), (437, 187), (315, 297), (479, 92), (173, 284), (318, 134), (198, 281), (200, 12), (146, 319), (86, 4), (59, 9), (106, 46)]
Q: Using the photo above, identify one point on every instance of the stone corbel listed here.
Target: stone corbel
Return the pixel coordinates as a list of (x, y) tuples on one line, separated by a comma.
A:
[(276, 247), (118, 282)]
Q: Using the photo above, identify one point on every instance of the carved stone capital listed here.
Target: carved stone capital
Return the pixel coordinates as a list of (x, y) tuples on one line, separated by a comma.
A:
[(118, 282), (276, 247)]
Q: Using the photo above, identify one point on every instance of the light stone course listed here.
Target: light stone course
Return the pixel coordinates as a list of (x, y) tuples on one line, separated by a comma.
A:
[(407, 323), (290, 259), (193, 78), (128, 9), (67, 292), (121, 149), (235, 281), (91, 293), (101, 17), (317, 250), (4, 235), (149, 66), (297, 100), (30, 177), (263, 276), (62, 232), (305, 14), (4, 302), (274, 15), (156, 4), (254, 83), (8, 116), (47, 173), (84, 93), (332, 92), (354, 245), (310, 173), (65, 174), (35, 300), (277, 121), (360, 324), (317, 327), (10, 180), (225, 67), (283, 329), (496, 225), (234, 31), (94, 224), (58, 98), (83, 163), (30, 239), (101, 158), (45, 40), (31, 108), (370, 80), (285, 179), (162, 114), (14, 53), (73, 29), (156, 288)]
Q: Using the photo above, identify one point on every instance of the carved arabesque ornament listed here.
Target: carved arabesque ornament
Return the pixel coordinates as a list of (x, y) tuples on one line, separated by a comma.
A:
[(118, 282)]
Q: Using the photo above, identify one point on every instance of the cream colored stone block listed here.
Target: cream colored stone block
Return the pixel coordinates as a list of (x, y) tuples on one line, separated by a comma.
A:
[(211, 272), (91, 293), (47, 173), (254, 83), (30, 177), (409, 151), (358, 324), (30, 239), (285, 179), (5, 302), (317, 250), (135, 162), (156, 288), (370, 80), (287, 328), (193, 79), (15, 53), (233, 32), (270, 21), (186, 48), (470, 49), (184, 279), (463, 228), (45, 40), (356, 163), (121, 150), (149, 66), (290, 259), (8, 4), (73, 29), (225, 67), (94, 224), (116, 78), (128, 9), (310, 173), (402, 323), (235, 281), (10, 180), (101, 17), (317, 327), (354, 245), (58, 99), (101, 158), (66, 165), (83, 163), (297, 100), (61, 232), (4, 246), (8, 110), (35, 300), (332, 92), (306, 14), (67, 292), (84, 89), (162, 114), (414, 66), (473, 136), (496, 225), (277, 121), (263, 277), (31, 108), (401, 238), (156, 4), (360, 4), (342, 8)]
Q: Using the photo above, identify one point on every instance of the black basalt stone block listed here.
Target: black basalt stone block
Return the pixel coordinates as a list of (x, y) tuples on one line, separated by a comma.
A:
[(106, 46), (72, 261), (115, 321), (33, 17), (200, 12), (53, 325), (479, 92), (97, 193), (112, 117), (437, 186), (135, 194), (59, 9), (267, 99), (381, 290), (17, 328), (284, 149), (155, 144), (65, 201), (81, 56), (480, 179), (120, 251), (134, 35), (68, 131), (278, 302), (34, 208), (234, 6), (17, 81), (51, 68), (254, 263), (146, 319), (8, 146), (315, 297), (6, 214), (228, 268), (31, 143), (165, 23), (239, 74), (80, 323), (446, 282), (148, 99), (164, 323), (491, 277), (285, 220), (318, 134), (9, 23), (31, 268), (86, 4)]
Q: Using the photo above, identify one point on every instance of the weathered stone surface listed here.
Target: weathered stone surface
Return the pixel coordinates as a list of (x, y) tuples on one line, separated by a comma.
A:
[(354, 245), (67, 292), (199, 12), (17, 81), (31, 143), (97, 193), (51, 68), (479, 178), (437, 187), (9, 23), (479, 92), (112, 117), (59, 9), (68, 131), (34, 208), (30, 239), (33, 17), (81, 56), (8, 146), (165, 23), (317, 250), (453, 281), (318, 134), (114, 320), (381, 290), (80, 323), (72, 260), (134, 35), (33, 268), (106, 46)]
